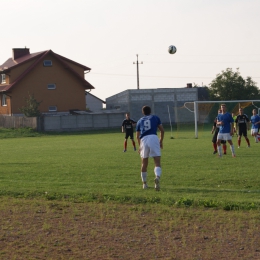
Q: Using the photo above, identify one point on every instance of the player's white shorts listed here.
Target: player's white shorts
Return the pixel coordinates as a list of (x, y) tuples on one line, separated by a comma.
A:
[(225, 137), (150, 146), (254, 131)]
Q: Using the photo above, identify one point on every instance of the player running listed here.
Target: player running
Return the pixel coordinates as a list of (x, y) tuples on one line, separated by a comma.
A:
[(242, 121), (127, 128)]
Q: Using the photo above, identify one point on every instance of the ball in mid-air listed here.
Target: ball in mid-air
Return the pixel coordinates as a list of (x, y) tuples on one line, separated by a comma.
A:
[(172, 49)]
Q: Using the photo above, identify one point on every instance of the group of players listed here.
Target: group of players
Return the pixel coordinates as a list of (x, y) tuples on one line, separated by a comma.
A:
[(226, 125)]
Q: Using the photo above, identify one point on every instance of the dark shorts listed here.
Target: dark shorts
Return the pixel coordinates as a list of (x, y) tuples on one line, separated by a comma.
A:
[(129, 134), (242, 131)]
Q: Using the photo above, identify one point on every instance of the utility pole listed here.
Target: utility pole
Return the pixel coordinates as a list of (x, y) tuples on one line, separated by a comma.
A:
[(137, 67)]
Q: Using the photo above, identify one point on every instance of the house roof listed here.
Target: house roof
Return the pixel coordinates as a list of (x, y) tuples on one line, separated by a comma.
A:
[(38, 57), (87, 93)]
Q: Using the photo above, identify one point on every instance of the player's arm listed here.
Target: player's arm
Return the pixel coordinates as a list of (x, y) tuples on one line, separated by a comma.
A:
[(247, 123), (231, 128), (213, 129), (160, 127), (138, 137), (218, 122), (123, 130), (133, 123)]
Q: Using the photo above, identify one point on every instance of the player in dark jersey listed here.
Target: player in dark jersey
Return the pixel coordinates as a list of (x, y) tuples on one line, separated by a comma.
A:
[(127, 128), (242, 122), (215, 130)]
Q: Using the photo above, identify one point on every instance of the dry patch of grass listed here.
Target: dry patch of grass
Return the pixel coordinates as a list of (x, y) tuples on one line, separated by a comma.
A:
[(40, 229)]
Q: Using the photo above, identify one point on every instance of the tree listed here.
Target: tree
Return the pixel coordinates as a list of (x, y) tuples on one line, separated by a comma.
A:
[(230, 85), (203, 92), (32, 107)]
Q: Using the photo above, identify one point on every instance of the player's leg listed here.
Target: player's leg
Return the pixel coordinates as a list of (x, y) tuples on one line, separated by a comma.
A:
[(144, 153), (232, 149), (219, 138), (157, 172), (132, 138), (125, 143), (254, 134), (238, 141), (144, 172), (247, 140), (240, 132), (214, 143), (224, 146)]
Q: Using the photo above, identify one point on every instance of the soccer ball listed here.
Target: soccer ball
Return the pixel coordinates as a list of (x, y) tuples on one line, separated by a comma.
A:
[(172, 49)]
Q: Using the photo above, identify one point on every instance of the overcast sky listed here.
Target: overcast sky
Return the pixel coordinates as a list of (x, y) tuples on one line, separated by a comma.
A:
[(106, 35)]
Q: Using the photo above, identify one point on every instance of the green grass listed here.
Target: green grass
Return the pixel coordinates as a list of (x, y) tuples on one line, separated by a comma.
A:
[(91, 166)]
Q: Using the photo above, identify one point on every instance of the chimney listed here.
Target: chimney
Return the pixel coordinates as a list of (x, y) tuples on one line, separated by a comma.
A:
[(19, 52), (189, 85)]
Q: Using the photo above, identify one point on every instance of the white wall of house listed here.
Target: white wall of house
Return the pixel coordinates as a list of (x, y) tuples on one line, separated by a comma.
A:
[(93, 103)]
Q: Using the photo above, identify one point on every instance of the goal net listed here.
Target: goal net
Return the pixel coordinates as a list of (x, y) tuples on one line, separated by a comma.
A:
[(199, 115)]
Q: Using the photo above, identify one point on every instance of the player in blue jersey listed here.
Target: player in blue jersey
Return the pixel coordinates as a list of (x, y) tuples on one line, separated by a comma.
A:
[(225, 123), (215, 130), (255, 121), (149, 144)]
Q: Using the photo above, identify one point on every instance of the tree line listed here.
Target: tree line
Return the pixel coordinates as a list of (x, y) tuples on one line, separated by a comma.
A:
[(230, 85)]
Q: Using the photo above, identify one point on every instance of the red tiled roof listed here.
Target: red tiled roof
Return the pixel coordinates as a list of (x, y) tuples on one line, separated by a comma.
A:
[(10, 63)]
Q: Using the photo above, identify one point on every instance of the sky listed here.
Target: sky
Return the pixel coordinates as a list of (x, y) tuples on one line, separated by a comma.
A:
[(107, 35)]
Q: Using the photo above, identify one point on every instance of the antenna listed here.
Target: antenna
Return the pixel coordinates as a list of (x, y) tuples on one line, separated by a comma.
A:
[(137, 67)]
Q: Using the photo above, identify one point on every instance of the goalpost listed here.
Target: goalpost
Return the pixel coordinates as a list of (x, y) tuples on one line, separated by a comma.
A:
[(196, 111)]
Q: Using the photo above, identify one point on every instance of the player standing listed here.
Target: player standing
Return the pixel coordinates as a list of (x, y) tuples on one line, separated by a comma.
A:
[(255, 120), (127, 128), (225, 122), (149, 144), (215, 130), (242, 121)]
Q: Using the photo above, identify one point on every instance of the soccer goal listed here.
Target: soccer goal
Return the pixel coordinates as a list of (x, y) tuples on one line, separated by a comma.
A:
[(205, 111)]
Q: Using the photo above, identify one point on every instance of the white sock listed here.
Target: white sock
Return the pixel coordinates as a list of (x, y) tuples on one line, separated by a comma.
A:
[(232, 149), (143, 176), (158, 171), (219, 150)]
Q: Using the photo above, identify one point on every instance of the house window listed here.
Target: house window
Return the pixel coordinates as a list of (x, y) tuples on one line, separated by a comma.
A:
[(4, 103), (51, 86), (47, 63), (3, 79), (52, 109)]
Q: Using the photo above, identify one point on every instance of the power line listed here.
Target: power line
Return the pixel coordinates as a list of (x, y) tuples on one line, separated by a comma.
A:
[(146, 76)]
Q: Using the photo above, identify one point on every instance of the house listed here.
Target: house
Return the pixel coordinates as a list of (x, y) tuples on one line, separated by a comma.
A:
[(55, 81), (93, 103)]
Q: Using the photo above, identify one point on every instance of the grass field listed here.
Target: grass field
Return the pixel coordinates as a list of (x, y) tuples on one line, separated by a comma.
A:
[(91, 166), (78, 196)]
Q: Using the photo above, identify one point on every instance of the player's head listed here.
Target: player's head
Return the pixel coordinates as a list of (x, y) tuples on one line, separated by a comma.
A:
[(254, 111), (146, 110), (127, 115), (223, 108), (241, 110)]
